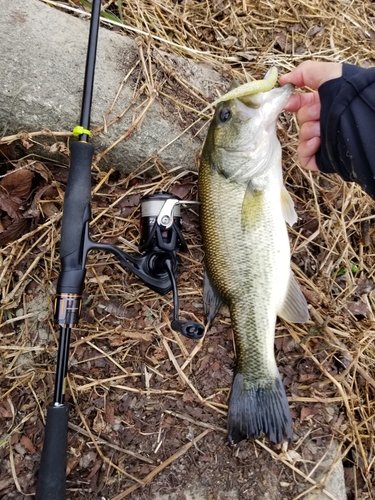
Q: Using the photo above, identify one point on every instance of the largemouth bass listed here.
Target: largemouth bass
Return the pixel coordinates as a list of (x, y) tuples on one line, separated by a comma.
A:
[(244, 207)]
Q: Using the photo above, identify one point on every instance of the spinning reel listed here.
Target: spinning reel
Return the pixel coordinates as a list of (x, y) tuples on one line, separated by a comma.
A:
[(161, 238)]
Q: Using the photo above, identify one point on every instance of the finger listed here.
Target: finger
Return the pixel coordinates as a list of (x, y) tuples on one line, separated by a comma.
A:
[(310, 112), (312, 74), (297, 101), (308, 130), (298, 75), (306, 153)]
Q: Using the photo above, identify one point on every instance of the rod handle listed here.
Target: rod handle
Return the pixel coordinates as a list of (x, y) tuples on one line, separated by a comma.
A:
[(76, 210), (51, 483), (76, 216)]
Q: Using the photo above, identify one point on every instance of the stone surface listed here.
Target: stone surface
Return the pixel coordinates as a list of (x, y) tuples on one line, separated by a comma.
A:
[(330, 474), (42, 64)]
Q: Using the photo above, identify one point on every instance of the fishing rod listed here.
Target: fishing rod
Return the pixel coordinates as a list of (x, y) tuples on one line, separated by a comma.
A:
[(51, 484), (161, 238)]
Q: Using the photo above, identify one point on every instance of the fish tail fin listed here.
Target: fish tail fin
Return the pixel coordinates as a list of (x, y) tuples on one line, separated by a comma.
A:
[(255, 409)]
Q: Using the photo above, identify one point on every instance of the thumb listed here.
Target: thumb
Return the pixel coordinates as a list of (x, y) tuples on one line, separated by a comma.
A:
[(312, 74)]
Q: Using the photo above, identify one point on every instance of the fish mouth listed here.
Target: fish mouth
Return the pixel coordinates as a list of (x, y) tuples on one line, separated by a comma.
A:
[(265, 105)]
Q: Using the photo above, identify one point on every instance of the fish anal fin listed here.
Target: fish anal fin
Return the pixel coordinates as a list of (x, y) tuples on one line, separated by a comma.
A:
[(287, 207), (294, 308), (212, 300)]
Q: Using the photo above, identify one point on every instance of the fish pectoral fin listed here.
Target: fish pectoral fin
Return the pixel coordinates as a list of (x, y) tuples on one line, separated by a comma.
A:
[(294, 308), (287, 207), (251, 207), (212, 300)]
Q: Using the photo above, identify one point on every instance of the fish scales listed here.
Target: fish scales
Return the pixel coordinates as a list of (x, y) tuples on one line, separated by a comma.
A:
[(250, 280), (243, 210)]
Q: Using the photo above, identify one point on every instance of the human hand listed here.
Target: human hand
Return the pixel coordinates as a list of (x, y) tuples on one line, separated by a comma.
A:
[(309, 74)]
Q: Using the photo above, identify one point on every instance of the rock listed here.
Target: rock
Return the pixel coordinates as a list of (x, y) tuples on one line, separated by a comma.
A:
[(330, 474), (41, 79)]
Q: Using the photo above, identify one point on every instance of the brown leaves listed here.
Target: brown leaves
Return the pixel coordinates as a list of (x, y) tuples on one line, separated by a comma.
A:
[(17, 205), (17, 184), (16, 229), (357, 305), (15, 188), (358, 309)]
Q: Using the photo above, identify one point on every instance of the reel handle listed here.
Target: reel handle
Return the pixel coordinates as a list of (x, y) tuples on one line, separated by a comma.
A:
[(190, 329)]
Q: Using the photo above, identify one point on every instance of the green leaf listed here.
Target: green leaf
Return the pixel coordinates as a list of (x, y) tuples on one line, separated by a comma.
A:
[(119, 6), (110, 17)]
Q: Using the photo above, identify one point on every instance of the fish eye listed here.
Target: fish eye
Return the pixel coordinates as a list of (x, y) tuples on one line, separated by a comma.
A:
[(225, 115)]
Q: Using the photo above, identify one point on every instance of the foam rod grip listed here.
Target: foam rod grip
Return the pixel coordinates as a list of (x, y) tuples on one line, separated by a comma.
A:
[(51, 483), (77, 198)]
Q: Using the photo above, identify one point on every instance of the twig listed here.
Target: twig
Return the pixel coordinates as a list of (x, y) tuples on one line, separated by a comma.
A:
[(162, 466), (101, 441)]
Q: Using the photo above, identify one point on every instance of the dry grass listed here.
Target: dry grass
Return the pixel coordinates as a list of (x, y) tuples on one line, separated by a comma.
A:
[(116, 353)]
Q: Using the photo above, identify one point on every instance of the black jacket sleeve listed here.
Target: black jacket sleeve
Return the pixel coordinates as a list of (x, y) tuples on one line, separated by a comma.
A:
[(347, 127)]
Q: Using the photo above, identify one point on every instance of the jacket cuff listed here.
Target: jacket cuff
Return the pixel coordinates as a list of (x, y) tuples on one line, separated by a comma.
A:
[(347, 123)]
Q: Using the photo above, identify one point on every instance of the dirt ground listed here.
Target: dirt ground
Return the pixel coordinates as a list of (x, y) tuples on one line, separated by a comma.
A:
[(148, 406)]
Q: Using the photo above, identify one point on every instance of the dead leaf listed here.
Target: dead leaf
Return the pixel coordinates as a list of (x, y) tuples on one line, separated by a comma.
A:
[(110, 414), (27, 443), (293, 456), (94, 469), (306, 413), (281, 41), (39, 168), (229, 41), (126, 334), (8, 151), (10, 205), (72, 462), (34, 209), (50, 209), (364, 286), (182, 190), (306, 377), (129, 201), (204, 362), (18, 227), (188, 397), (357, 308), (101, 279), (315, 30), (248, 56), (59, 147), (5, 410), (99, 425), (18, 183)]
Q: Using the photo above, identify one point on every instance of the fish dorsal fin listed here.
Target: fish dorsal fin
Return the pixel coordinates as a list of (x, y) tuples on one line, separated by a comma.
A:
[(287, 207), (294, 308)]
